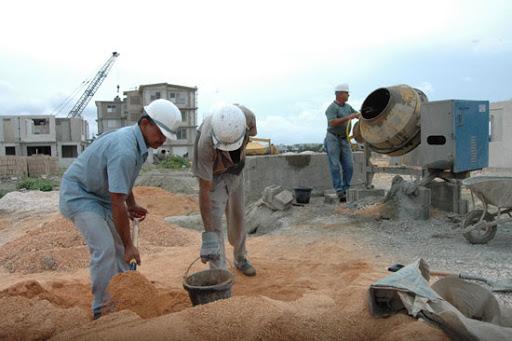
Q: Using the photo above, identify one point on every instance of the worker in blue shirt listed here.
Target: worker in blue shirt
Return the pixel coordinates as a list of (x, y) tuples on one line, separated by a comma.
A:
[(339, 151), (96, 192)]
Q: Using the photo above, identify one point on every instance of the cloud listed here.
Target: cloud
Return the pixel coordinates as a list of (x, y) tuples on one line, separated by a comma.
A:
[(7, 90), (281, 66), (307, 124), (13, 102), (492, 45)]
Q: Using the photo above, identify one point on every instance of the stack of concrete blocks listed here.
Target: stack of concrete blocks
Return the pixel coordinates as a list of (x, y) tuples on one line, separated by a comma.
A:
[(276, 198), (447, 197), (14, 166), (42, 165)]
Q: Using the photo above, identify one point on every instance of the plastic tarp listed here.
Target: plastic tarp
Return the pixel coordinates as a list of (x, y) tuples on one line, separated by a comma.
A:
[(463, 310)]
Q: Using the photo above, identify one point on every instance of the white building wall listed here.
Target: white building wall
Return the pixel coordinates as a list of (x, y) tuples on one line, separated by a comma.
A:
[(500, 145)]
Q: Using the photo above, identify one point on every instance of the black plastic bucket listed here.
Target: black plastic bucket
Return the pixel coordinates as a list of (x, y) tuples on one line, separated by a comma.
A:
[(208, 285), (302, 194)]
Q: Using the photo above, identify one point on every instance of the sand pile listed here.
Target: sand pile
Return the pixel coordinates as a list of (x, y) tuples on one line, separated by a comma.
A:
[(163, 203), (311, 285), (32, 312), (133, 291), (58, 246)]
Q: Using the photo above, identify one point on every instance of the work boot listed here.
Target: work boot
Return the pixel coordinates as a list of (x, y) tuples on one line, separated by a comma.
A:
[(342, 196), (246, 267)]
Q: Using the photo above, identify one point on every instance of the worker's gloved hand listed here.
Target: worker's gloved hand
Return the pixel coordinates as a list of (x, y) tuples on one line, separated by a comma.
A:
[(210, 249)]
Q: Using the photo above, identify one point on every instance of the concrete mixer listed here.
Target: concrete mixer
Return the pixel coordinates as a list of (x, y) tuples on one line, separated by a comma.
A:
[(449, 139)]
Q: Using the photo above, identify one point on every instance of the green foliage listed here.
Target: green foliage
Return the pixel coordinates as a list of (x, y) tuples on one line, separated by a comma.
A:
[(147, 168), (175, 162), (3, 192), (36, 184)]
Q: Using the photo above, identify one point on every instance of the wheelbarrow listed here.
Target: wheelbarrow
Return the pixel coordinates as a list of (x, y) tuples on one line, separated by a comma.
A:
[(479, 226)]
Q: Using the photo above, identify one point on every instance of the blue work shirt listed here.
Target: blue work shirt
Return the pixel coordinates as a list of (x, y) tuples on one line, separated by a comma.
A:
[(109, 165)]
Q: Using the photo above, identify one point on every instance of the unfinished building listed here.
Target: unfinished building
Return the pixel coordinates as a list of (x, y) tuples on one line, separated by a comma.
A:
[(29, 135), (120, 113)]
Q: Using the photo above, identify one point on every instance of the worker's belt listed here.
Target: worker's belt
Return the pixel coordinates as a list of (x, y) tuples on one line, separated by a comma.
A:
[(341, 137)]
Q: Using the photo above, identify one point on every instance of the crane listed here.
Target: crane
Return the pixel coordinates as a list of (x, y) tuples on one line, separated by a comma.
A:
[(93, 87)]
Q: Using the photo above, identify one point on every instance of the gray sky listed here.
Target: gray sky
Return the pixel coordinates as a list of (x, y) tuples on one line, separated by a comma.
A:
[(281, 59)]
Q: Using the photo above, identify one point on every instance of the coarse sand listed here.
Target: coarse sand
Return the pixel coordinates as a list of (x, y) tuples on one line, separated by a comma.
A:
[(311, 284)]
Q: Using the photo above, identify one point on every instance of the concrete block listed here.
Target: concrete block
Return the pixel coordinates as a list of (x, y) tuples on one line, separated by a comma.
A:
[(422, 213), (270, 192), (445, 195), (283, 200), (331, 199), (424, 196), (352, 195), (365, 193), (328, 191)]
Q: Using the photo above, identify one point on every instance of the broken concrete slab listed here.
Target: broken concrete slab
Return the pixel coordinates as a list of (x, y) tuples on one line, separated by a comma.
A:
[(260, 218)]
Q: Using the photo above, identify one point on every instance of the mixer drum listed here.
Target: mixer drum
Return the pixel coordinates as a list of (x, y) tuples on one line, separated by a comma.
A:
[(390, 119)]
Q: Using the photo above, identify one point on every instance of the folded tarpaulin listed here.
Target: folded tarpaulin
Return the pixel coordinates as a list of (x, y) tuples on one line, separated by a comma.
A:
[(463, 310)]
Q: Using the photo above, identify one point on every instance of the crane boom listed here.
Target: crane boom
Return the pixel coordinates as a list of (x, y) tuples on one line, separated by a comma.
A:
[(93, 87)]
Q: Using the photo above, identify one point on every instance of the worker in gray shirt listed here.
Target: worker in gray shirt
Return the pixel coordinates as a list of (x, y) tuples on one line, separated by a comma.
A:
[(219, 158), (339, 151), (96, 192)]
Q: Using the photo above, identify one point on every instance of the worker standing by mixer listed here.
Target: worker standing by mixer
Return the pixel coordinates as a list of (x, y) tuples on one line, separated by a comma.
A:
[(218, 162), (339, 151), (96, 192)]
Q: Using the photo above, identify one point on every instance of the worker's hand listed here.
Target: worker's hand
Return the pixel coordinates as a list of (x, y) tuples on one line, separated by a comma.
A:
[(210, 249), (137, 212), (131, 252), (355, 115)]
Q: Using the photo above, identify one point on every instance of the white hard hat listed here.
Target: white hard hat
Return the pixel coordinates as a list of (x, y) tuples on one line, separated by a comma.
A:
[(341, 87), (228, 128), (166, 115)]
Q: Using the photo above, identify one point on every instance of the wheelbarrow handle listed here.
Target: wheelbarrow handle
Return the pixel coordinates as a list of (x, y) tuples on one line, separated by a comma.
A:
[(442, 273), (396, 267), (463, 276)]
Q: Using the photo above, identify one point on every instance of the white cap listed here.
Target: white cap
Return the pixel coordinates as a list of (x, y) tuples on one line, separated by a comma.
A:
[(228, 128)]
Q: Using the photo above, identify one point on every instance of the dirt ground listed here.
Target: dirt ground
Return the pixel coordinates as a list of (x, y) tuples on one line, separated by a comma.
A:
[(313, 273)]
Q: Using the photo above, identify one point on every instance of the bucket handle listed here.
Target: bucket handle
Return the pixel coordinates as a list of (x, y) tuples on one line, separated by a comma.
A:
[(185, 275)]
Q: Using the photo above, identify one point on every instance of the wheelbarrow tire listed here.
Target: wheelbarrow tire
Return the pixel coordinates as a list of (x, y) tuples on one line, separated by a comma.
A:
[(478, 236)]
